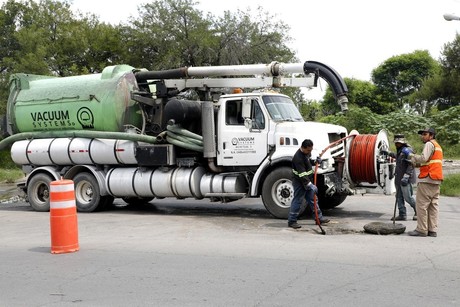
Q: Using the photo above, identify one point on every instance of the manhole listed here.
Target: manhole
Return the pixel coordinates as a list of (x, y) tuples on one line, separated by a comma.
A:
[(381, 228)]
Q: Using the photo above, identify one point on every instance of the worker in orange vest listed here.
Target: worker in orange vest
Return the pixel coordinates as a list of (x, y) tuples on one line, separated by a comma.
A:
[(429, 183)]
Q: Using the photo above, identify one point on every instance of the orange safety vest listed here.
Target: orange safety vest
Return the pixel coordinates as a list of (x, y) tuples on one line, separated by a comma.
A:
[(433, 167)]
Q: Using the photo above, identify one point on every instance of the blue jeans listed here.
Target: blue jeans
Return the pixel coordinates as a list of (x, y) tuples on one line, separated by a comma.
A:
[(404, 194), (299, 195)]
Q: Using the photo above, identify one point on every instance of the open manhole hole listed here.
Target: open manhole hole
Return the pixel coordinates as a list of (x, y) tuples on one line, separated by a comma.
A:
[(381, 228)]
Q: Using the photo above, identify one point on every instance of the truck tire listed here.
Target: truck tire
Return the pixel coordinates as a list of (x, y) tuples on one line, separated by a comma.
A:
[(87, 193), (329, 202), (277, 193), (38, 192)]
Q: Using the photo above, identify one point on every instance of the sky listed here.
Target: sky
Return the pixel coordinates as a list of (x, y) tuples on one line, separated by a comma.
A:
[(351, 36)]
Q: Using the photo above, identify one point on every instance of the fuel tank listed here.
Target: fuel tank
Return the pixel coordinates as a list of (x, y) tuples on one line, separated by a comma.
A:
[(98, 102), (72, 151)]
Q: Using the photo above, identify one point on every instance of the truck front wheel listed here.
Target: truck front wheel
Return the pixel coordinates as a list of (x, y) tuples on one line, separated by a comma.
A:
[(38, 192), (277, 192)]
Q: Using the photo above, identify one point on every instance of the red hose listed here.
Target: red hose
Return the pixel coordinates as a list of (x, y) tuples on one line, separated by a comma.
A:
[(361, 158)]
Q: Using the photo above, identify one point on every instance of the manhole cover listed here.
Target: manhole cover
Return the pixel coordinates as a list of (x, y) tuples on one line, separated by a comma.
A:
[(381, 228)]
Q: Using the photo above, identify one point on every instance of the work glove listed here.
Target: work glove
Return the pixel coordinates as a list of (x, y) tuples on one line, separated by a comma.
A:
[(313, 187), (318, 160), (407, 151), (405, 180)]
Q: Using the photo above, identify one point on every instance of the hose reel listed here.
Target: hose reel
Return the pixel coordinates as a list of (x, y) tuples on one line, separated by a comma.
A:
[(363, 151)]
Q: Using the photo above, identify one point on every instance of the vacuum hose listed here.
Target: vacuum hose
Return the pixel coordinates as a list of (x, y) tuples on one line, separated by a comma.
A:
[(338, 86), (77, 134)]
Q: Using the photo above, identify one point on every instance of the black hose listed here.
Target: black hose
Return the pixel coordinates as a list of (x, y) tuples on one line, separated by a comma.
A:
[(161, 74), (329, 74), (337, 84)]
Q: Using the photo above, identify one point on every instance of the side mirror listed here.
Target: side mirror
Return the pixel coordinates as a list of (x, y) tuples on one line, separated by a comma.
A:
[(246, 108), (246, 112)]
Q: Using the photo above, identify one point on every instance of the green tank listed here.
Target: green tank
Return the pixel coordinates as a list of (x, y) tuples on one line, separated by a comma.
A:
[(97, 102)]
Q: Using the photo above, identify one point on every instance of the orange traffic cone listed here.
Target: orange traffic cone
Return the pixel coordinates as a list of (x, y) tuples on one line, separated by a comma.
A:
[(63, 217)]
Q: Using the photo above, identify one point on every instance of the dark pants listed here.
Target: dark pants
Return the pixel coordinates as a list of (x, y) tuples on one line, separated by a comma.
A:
[(299, 195)]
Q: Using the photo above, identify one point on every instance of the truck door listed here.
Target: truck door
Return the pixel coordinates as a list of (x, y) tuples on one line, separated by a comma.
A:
[(237, 144)]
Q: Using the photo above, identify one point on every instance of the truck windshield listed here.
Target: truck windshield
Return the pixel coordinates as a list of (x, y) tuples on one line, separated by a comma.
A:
[(282, 108)]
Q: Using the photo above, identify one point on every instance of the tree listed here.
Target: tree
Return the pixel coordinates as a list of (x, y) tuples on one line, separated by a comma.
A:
[(169, 34), (173, 33), (360, 93), (247, 39), (400, 76), (441, 90)]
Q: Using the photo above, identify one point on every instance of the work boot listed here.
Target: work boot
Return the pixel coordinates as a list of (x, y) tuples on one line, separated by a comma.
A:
[(432, 234), (416, 233), (294, 225), (399, 218)]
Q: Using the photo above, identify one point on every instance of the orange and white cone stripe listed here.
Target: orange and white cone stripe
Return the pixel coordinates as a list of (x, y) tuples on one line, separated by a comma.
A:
[(63, 217)]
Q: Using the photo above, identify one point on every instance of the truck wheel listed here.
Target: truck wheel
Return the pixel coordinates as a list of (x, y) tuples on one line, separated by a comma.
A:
[(87, 193), (38, 192), (329, 202), (277, 193)]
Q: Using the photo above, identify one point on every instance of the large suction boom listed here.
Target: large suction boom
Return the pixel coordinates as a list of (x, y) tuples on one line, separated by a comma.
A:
[(264, 75)]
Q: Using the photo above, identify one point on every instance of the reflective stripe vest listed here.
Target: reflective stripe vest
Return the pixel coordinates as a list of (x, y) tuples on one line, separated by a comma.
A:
[(300, 175), (433, 167)]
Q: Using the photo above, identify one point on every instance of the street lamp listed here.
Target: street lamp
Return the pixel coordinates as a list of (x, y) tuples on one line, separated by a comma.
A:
[(450, 17)]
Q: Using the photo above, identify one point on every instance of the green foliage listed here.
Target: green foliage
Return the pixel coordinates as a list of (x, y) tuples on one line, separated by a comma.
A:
[(403, 122), (361, 94), (448, 125), (173, 33), (9, 172), (5, 159), (444, 90), (311, 111), (399, 76), (10, 175), (451, 185), (360, 119)]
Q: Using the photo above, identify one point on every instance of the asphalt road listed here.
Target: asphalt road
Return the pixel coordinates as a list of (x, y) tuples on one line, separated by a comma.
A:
[(197, 253)]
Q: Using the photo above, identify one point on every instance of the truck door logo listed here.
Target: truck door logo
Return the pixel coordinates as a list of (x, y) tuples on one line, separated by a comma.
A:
[(85, 118), (243, 145)]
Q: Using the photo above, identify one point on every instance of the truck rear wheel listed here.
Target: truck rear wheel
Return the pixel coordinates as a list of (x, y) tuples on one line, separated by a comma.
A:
[(277, 192), (87, 193), (38, 192)]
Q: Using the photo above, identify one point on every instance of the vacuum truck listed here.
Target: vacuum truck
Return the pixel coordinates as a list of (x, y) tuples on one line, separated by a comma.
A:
[(216, 132)]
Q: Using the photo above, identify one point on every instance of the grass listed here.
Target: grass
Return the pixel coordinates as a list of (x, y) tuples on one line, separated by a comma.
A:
[(9, 172), (10, 175), (451, 185)]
